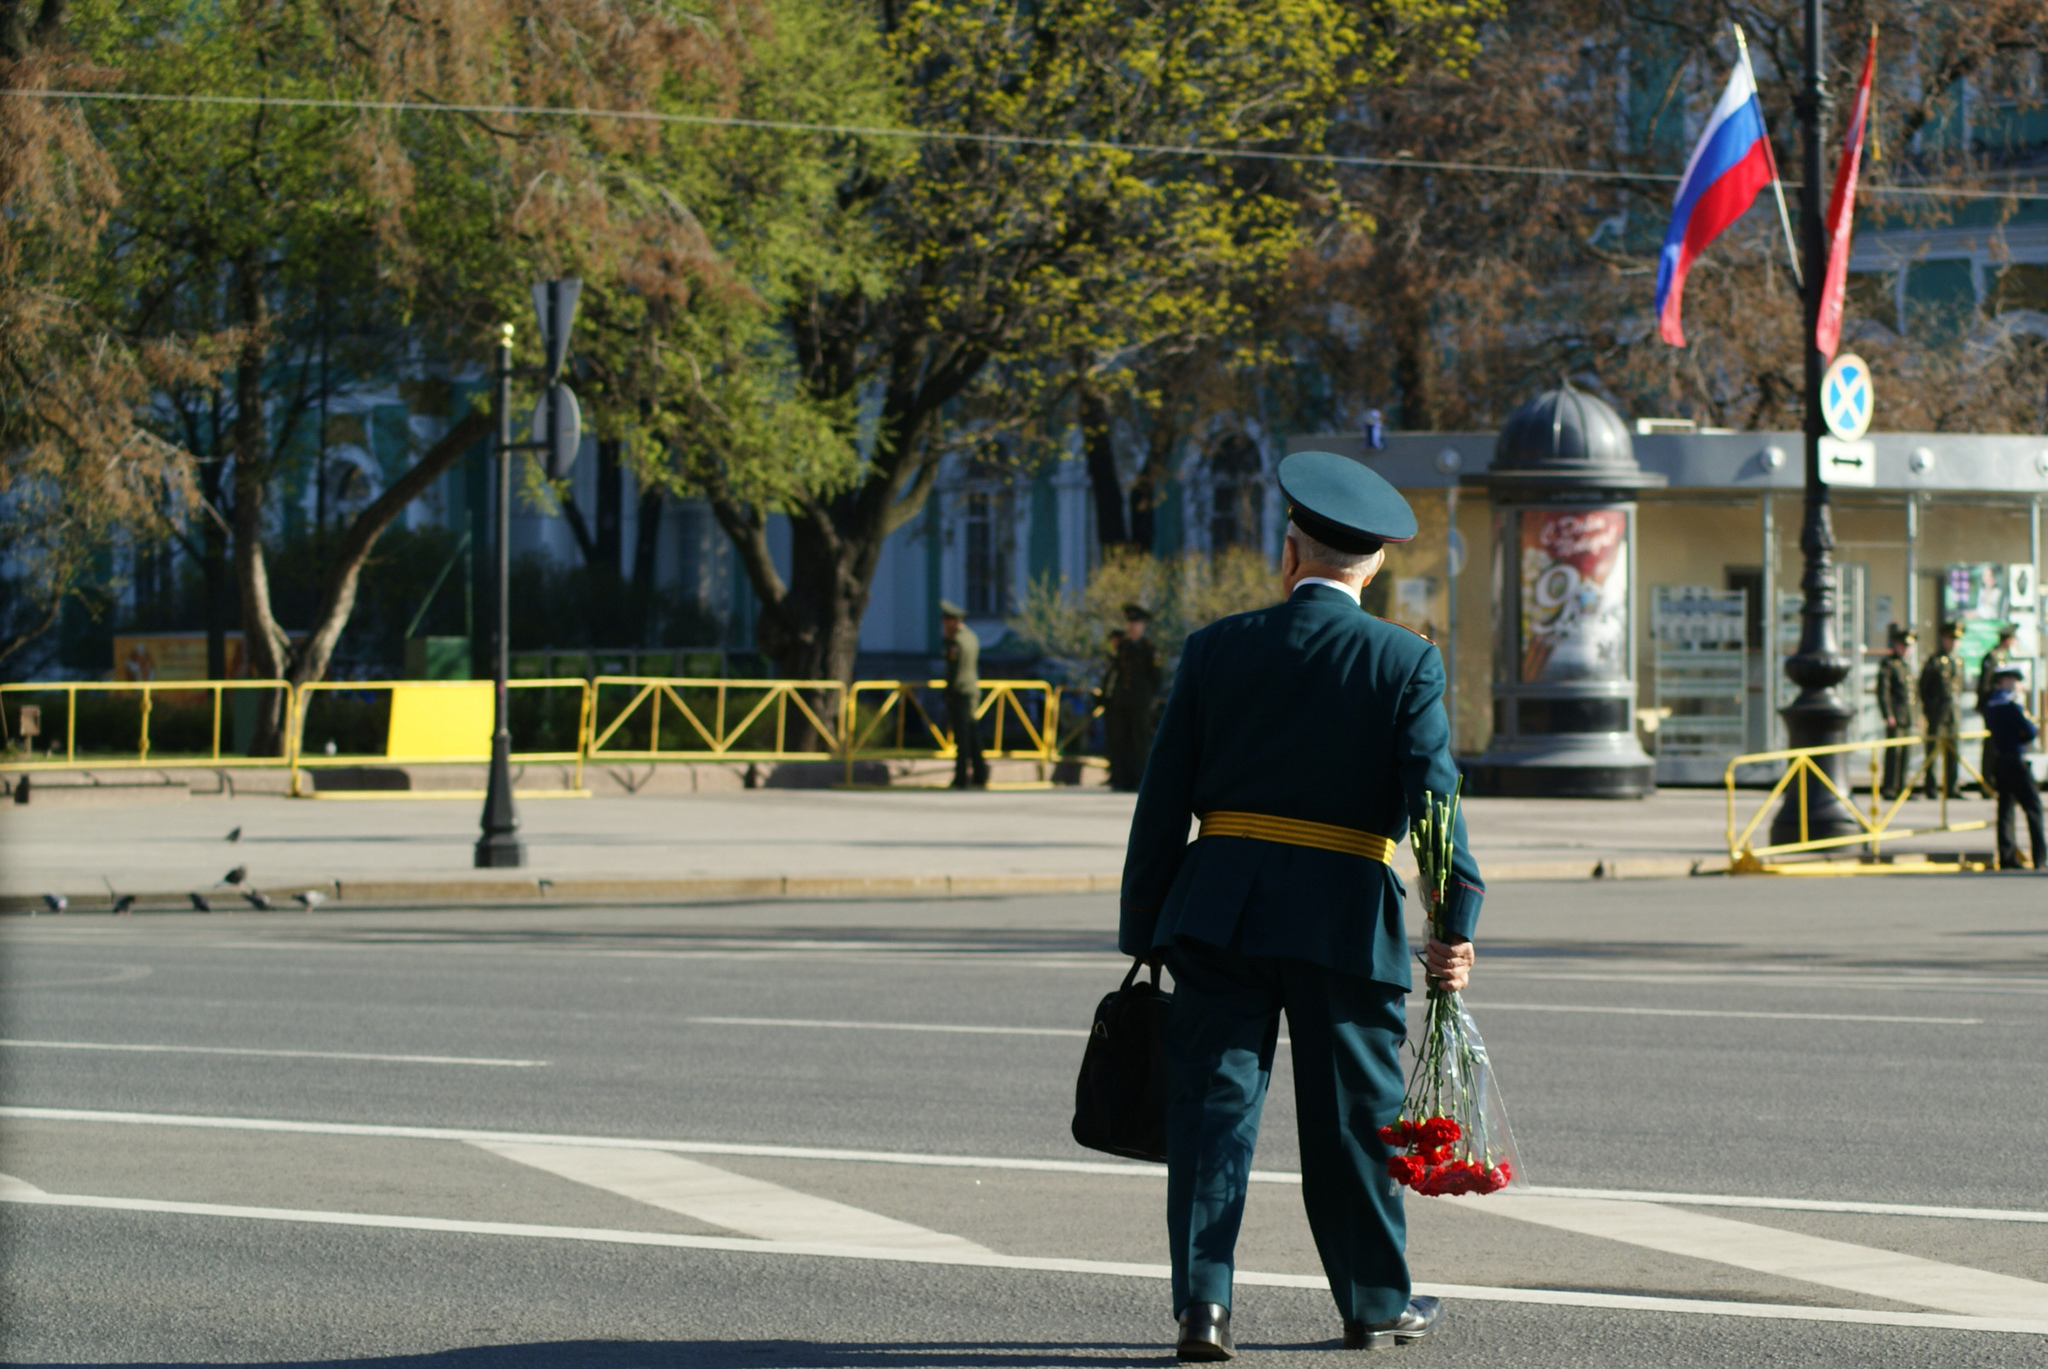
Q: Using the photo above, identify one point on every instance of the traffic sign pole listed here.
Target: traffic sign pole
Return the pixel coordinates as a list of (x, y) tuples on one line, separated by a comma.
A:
[(1818, 716)]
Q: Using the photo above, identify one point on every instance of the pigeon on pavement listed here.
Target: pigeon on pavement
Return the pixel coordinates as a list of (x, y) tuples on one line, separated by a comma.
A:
[(200, 904), (124, 905), (258, 900), (56, 903), (235, 835), (236, 875), (310, 899)]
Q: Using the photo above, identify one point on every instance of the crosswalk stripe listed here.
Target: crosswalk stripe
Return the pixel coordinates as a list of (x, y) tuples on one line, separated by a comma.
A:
[(921, 1158), (15, 1192), (720, 1197), (1788, 1254)]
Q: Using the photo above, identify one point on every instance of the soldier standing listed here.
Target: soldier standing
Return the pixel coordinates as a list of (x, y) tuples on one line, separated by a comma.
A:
[(963, 696), (1303, 736), (1941, 698), (1129, 688), (1987, 671), (1895, 702)]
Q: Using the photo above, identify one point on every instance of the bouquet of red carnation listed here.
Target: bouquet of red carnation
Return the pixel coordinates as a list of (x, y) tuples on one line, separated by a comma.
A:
[(1453, 1131)]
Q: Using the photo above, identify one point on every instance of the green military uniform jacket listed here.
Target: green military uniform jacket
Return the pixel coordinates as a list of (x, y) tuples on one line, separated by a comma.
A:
[(1315, 710), (1941, 692), (963, 662), (1132, 680), (1993, 659), (1895, 691)]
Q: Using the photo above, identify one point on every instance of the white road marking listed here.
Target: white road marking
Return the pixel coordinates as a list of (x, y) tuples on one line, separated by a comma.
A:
[(752, 1207), (908, 1157), (883, 1026), (282, 1054), (1480, 1006), (14, 1193), (1787, 1254)]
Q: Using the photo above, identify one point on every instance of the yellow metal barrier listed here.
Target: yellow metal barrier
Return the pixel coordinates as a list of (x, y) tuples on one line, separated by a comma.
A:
[(629, 718), (1007, 701), (434, 722), (724, 720), (168, 697), (1876, 826)]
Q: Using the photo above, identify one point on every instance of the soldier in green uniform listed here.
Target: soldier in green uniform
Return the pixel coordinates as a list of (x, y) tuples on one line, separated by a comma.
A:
[(1303, 736), (963, 696), (1895, 703), (1129, 689), (1987, 670), (1941, 697)]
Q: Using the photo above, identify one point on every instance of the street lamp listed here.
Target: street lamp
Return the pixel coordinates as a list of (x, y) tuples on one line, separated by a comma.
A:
[(1818, 716), (556, 435)]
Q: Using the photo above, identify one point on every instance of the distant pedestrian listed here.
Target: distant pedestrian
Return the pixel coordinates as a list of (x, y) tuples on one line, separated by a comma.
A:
[(1895, 702), (963, 696), (1994, 660), (2011, 731), (1130, 690), (1941, 701)]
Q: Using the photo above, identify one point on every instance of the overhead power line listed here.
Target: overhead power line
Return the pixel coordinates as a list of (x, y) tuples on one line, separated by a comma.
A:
[(987, 139)]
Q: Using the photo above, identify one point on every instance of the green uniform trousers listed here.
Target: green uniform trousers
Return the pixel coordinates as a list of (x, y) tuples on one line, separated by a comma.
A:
[(1347, 1033)]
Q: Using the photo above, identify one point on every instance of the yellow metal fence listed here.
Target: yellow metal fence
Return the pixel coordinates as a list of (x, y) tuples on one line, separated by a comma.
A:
[(1803, 774), (569, 721)]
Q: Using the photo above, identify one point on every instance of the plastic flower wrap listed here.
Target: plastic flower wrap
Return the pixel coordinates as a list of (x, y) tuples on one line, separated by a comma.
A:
[(1453, 1130)]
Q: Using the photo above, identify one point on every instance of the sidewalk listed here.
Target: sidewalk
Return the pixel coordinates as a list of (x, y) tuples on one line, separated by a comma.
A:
[(748, 844)]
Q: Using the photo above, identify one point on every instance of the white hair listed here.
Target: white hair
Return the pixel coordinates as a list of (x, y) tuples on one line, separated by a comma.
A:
[(1361, 563)]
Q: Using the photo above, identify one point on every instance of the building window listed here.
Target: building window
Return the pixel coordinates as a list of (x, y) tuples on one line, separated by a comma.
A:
[(1237, 495), (991, 554)]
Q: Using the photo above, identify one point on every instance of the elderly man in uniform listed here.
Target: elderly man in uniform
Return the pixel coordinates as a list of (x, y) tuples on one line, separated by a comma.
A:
[(1895, 703), (1129, 688), (963, 696), (1941, 701), (1303, 736)]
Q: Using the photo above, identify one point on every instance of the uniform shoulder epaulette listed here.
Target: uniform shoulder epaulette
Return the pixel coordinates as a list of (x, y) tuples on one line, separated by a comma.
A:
[(1405, 628)]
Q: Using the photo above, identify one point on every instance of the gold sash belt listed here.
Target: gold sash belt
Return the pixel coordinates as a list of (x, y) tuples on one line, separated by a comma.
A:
[(1323, 836)]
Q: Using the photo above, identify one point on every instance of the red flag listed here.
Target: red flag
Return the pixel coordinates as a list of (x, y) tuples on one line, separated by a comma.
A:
[(1827, 330)]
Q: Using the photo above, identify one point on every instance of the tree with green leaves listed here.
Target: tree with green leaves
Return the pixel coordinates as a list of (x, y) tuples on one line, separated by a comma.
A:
[(1018, 267)]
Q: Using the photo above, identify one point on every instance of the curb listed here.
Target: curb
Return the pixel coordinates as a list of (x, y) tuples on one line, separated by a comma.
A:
[(534, 890)]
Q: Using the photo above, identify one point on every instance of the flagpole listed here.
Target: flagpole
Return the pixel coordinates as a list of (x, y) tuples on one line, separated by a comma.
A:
[(1777, 181)]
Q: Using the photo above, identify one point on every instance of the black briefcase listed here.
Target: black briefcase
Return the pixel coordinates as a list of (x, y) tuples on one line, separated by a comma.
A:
[(1120, 1099)]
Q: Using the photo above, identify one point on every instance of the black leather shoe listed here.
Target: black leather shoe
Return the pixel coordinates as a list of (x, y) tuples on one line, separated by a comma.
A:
[(1204, 1333), (1418, 1320)]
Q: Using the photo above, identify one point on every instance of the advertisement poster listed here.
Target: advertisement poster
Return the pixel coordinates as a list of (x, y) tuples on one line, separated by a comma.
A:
[(1973, 597), (1574, 595)]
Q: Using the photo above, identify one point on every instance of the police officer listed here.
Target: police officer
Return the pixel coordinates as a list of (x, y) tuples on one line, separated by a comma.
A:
[(1130, 687), (1987, 669), (963, 696), (1941, 696), (1895, 703), (1303, 736), (2011, 730)]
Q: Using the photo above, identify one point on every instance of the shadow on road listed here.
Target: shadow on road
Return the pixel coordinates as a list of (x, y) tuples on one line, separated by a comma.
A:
[(736, 1354)]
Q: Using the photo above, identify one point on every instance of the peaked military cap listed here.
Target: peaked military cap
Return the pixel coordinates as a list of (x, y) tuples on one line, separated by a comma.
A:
[(1343, 504), (949, 609), (1137, 613), (1895, 634)]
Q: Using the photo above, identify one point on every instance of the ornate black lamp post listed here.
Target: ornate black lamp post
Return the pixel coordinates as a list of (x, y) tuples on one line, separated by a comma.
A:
[(557, 434), (1818, 716)]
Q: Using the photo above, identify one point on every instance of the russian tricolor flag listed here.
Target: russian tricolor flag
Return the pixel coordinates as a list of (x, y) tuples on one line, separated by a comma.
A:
[(1730, 165)]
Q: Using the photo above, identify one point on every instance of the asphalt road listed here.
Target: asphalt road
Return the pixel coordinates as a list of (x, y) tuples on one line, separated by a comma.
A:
[(1768, 1121)]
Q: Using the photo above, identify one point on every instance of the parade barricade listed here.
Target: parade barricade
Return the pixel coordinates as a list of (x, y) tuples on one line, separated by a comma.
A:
[(1879, 825), (903, 720), (138, 725), (645, 718), (379, 729)]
